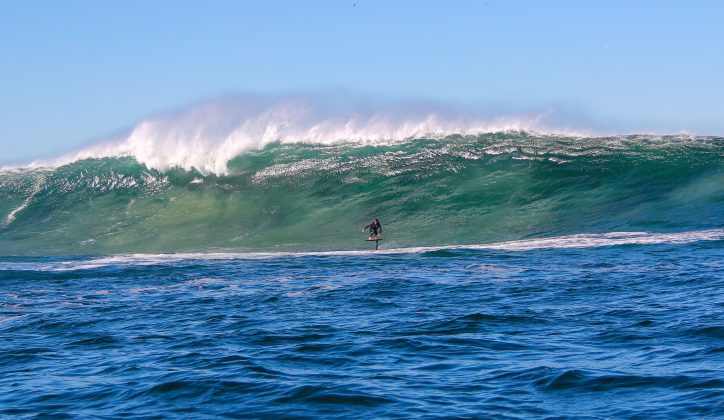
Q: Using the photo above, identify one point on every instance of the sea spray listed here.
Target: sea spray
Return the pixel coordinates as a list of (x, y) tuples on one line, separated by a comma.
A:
[(204, 137)]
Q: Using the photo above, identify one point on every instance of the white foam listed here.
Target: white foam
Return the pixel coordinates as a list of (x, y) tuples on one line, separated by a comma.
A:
[(206, 136), (11, 216), (558, 242)]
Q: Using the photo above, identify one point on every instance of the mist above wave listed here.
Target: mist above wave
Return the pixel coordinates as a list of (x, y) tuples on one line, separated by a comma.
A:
[(206, 136)]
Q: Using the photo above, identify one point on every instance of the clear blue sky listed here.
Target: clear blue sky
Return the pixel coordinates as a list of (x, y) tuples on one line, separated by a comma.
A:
[(75, 71)]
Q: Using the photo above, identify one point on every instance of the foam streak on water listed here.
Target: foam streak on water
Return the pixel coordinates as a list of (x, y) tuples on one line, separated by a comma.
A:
[(571, 241)]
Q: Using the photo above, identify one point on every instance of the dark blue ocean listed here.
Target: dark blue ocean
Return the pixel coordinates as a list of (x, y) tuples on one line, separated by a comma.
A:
[(633, 329)]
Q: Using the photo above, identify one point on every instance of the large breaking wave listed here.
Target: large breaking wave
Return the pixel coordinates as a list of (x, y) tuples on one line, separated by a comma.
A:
[(448, 189)]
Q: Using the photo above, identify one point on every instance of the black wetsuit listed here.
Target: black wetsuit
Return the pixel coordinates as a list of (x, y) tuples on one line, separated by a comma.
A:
[(374, 228)]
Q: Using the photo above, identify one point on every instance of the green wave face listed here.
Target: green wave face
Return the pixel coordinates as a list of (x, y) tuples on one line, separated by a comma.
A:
[(456, 190)]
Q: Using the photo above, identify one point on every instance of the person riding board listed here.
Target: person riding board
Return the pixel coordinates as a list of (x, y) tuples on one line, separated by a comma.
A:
[(375, 229)]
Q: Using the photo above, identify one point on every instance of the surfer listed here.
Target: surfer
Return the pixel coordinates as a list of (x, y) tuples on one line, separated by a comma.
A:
[(375, 228)]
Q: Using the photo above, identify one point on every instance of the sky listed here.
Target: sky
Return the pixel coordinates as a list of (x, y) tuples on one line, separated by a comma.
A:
[(75, 72)]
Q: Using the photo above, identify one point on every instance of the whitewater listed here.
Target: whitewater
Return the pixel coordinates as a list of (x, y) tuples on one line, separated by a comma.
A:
[(206, 136), (210, 263)]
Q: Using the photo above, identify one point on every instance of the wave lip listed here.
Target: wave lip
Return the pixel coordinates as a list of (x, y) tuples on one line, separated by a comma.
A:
[(207, 136)]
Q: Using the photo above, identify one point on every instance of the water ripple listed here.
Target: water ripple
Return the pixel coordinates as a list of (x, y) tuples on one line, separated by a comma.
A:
[(586, 332)]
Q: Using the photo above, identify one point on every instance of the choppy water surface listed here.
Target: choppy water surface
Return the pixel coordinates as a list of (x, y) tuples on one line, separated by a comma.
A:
[(614, 331)]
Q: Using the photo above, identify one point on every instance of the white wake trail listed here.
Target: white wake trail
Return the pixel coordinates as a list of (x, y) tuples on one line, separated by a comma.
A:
[(584, 240)]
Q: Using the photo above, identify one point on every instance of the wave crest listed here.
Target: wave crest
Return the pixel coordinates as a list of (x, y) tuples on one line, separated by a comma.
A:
[(206, 137)]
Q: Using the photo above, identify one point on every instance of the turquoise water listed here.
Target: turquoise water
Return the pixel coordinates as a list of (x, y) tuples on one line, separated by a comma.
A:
[(456, 190), (520, 276)]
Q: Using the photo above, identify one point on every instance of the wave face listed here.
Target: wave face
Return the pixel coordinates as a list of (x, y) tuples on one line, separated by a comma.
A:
[(458, 189)]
